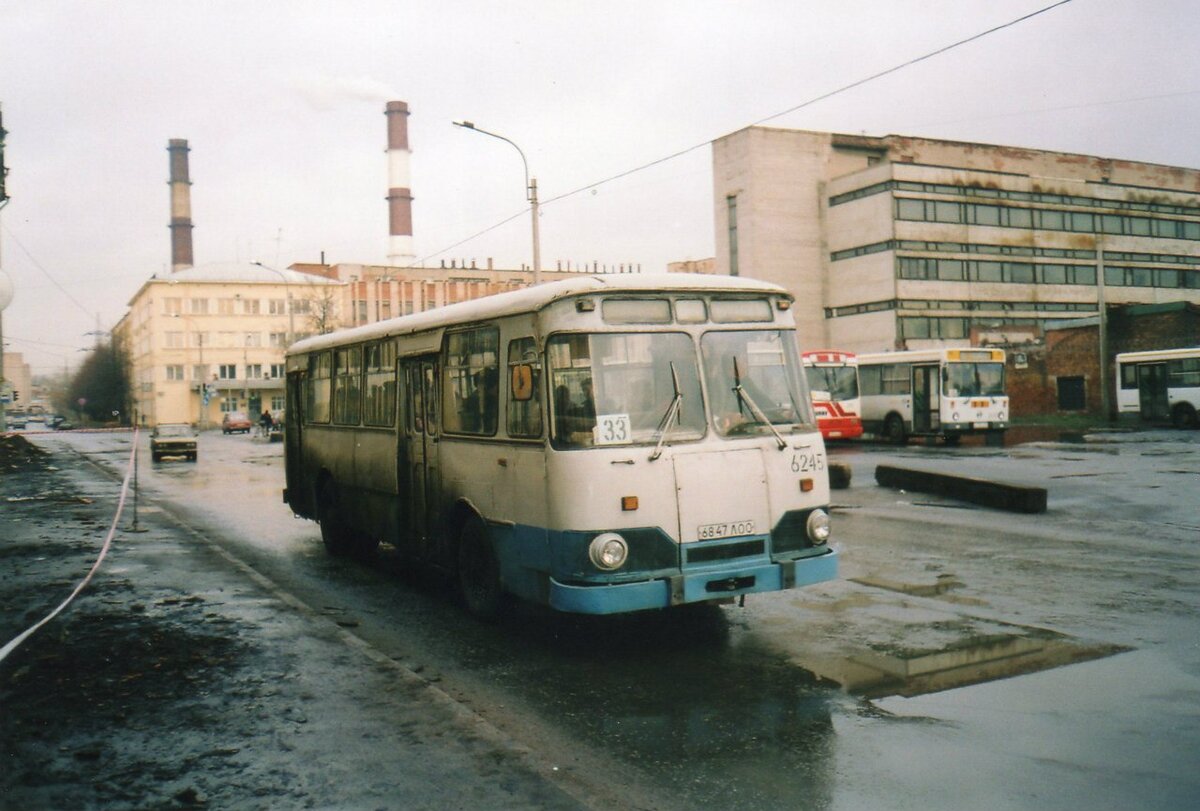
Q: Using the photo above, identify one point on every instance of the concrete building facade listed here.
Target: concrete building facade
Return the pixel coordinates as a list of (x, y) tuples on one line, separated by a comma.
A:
[(223, 328), (370, 293), (18, 380), (218, 332), (897, 242)]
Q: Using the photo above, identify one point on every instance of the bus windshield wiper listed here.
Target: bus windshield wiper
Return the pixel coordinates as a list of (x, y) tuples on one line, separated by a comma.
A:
[(668, 419), (744, 397)]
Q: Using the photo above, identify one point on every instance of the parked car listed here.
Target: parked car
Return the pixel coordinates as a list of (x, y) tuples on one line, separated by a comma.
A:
[(173, 439), (62, 424), (236, 422), (16, 420)]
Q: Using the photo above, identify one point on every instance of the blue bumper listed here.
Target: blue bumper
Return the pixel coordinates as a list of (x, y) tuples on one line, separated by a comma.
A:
[(692, 587)]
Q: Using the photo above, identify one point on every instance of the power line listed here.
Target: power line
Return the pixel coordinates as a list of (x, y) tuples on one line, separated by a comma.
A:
[(473, 236), (915, 61), (1083, 106), (802, 105), (45, 272)]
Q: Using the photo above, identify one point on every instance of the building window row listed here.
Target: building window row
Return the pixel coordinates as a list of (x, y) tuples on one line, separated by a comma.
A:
[(983, 270), (954, 327), (1160, 258), (1044, 219), (999, 307), (997, 250), (1022, 196), (173, 305), (1119, 276)]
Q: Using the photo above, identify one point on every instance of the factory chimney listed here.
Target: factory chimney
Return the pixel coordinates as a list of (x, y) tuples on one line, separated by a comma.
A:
[(400, 240), (181, 205)]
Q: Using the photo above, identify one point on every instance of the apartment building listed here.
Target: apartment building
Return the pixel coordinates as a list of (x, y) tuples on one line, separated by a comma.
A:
[(210, 339), (207, 340), (900, 242)]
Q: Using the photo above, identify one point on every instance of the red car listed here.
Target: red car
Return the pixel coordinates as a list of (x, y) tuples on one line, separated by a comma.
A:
[(236, 422)]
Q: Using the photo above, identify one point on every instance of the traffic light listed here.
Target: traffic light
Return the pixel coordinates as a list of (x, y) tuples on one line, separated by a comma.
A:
[(16, 395)]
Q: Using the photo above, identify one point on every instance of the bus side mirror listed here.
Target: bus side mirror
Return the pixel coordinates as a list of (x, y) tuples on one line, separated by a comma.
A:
[(522, 382)]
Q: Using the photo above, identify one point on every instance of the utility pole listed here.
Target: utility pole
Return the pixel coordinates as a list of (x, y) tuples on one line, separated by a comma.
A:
[(6, 290), (1105, 395)]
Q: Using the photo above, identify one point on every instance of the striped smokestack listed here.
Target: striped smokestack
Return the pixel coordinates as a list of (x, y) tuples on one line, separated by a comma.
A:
[(181, 205), (400, 241)]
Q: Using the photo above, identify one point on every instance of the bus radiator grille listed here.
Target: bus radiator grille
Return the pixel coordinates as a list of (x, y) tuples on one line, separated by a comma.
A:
[(744, 549)]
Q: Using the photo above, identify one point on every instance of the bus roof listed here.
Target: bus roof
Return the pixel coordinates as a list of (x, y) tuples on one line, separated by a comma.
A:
[(950, 354), (828, 356), (531, 299), (1158, 354)]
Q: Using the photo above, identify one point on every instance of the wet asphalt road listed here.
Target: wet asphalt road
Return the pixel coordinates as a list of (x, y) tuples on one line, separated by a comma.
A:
[(968, 658)]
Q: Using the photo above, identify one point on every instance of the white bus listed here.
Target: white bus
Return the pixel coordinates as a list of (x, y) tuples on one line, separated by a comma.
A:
[(603, 444), (833, 381), (934, 392), (1159, 386)]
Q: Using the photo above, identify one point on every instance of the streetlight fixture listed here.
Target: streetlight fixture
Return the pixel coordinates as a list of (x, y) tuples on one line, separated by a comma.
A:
[(287, 287), (530, 195)]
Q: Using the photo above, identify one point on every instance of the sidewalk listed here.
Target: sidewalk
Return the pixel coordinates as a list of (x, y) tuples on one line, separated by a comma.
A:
[(178, 680)]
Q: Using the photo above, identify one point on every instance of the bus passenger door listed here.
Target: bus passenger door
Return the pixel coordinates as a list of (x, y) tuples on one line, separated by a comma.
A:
[(1152, 391), (293, 443), (926, 400), (421, 457)]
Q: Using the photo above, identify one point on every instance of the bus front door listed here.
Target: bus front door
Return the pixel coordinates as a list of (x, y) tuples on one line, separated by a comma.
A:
[(926, 402), (1152, 392), (293, 443), (420, 457)]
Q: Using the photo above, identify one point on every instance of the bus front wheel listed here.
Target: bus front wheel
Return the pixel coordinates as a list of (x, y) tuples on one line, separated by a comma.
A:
[(893, 430), (479, 571)]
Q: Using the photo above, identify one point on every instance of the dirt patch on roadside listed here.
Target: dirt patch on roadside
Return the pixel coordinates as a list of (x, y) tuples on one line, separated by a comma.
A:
[(176, 681)]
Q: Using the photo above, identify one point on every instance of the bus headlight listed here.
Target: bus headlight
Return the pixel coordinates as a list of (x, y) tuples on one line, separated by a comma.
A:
[(818, 527), (1001, 416), (608, 551)]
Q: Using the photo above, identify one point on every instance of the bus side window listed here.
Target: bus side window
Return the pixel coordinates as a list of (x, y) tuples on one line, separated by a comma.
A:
[(416, 401), (525, 389), (471, 382)]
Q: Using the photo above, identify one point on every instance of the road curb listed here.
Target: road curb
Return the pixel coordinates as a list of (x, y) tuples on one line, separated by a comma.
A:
[(1001, 495)]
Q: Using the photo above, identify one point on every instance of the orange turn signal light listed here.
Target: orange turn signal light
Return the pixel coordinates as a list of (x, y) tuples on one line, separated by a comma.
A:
[(629, 503), (806, 485)]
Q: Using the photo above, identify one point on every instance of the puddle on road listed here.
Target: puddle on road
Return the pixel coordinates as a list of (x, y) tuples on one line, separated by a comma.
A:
[(908, 648), (899, 671)]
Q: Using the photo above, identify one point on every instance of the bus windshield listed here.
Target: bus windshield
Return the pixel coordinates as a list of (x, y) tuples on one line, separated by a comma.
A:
[(838, 383), (765, 366), (617, 389), (973, 379)]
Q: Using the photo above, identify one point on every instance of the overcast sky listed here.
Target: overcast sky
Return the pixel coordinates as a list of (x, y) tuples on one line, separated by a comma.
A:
[(282, 106)]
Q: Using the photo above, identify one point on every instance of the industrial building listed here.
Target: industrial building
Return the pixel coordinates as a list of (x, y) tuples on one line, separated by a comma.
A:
[(210, 339), (898, 242)]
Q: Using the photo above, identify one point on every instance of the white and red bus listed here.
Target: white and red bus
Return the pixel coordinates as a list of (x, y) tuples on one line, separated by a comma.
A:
[(833, 382), (1160, 385), (934, 393)]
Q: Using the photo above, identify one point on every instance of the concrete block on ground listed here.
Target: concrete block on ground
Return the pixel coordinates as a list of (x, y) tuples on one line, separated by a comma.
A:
[(1001, 495), (839, 475)]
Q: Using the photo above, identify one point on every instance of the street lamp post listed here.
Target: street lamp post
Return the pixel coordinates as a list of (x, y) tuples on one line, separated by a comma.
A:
[(287, 287), (530, 195)]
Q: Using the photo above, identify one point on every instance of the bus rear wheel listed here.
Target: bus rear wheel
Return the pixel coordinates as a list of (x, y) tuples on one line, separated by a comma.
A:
[(1183, 416), (479, 571), (340, 539), (893, 430)]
